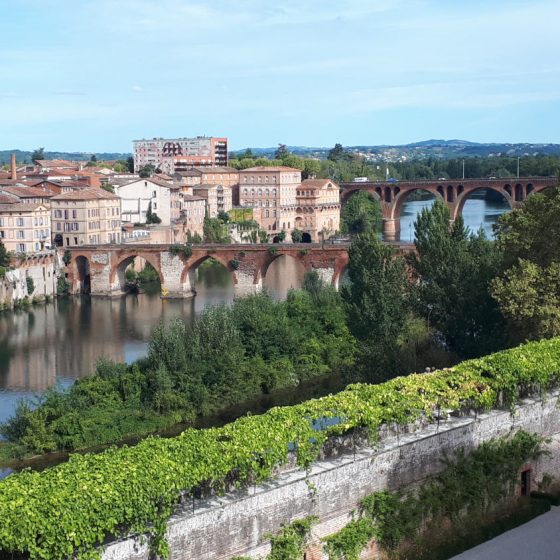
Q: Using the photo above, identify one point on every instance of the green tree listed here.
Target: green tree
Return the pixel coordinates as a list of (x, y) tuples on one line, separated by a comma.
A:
[(146, 171), (454, 271), (376, 303), (281, 152), (223, 216), (130, 164), (215, 231), (529, 296), (311, 168), (38, 154), (152, 217), (282, 236), (93, 158), (361, 214), (297, 236), (528, 289), (338, 153), (4, 255)]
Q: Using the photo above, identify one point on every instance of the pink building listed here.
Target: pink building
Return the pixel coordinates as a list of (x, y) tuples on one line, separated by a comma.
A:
[(271, 191)]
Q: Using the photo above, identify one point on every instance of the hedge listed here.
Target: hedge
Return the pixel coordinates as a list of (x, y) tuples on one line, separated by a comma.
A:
[(72, 508)]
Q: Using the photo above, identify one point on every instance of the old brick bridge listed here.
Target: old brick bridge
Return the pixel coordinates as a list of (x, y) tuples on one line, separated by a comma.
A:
[(392, 195), (103, 267)]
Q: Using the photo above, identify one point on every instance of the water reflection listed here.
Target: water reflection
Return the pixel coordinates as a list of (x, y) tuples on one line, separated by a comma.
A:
[(56, 343), (481, 210), (283, 274)]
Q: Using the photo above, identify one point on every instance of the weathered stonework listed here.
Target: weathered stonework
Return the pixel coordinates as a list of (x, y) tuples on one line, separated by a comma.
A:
[(237, 524), (247, 265)]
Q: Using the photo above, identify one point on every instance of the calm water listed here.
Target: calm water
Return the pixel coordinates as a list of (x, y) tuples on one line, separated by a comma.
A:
[(478, 212), (56, 343)]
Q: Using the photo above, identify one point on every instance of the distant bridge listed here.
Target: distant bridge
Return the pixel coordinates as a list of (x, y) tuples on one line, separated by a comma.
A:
[(393, 194)]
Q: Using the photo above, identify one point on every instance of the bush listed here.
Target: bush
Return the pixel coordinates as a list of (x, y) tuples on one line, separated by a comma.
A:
[(30, 285), (184, 250), (234, 264)]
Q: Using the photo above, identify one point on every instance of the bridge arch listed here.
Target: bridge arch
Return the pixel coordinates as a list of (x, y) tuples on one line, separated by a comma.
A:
[(81, 274), (117, 277), (457, 209), (438, 192), (189, 273), (376, 192)]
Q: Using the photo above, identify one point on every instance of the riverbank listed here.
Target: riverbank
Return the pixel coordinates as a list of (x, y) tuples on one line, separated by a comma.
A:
[(14, 458)]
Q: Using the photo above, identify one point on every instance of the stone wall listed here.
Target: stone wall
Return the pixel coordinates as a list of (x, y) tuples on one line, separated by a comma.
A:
[(237, 524), (41, 268)]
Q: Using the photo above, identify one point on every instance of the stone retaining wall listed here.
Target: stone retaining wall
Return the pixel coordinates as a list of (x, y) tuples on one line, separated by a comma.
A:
[(219, 528)]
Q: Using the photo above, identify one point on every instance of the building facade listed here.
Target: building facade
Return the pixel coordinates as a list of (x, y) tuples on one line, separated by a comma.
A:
[(318, 209), (192, 214), (86, 217), (140, 195), (25, 227), (271, 191), (179, 154), (218, 198)]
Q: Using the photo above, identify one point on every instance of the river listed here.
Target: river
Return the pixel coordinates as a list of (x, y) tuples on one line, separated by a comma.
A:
[(56, 343)]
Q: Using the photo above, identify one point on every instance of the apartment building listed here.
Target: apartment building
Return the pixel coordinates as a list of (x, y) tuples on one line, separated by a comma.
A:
[(318, 209), (179, 154), (86, 217), (218, 198), (25, 227), (192, 214), (137, 196), (271, 190)]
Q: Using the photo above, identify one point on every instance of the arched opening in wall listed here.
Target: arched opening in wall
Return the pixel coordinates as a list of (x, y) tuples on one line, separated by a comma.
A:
[(306, 237), (142, 277), (84, 274), (283, 273), (409, 206), (212, 282), (137, 275), (276, 239), (482, 208), (519, 195), (58, 241)]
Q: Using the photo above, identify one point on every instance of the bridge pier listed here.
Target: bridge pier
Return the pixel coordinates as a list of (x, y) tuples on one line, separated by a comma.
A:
[(391, 229), (246, 284)]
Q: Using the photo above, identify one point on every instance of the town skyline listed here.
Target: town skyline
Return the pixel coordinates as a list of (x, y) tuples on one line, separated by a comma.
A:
[(359, 73)]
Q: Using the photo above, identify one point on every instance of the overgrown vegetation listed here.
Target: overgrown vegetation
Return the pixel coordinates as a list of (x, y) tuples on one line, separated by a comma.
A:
[(470, 486), (66, 510)]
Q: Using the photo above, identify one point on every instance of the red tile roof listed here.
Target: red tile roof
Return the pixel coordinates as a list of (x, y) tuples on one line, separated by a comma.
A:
[(92, 193)]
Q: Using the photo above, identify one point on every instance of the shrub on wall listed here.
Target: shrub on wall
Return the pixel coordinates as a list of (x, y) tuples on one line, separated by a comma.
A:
[(69, 509)]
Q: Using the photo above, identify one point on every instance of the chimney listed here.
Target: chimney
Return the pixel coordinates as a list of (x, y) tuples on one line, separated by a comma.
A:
[(13, 168)]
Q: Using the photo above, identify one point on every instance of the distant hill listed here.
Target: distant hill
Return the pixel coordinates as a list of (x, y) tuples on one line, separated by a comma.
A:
[(24, 156), (439, 149)]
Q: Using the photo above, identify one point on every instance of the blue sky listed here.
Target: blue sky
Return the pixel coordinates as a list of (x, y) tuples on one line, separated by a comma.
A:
[(92, 75)]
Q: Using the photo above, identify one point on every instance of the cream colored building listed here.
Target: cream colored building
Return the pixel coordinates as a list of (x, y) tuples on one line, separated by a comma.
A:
[(25, 228), (139, 195), (86, 217), (218, 198), (271, 190), (318, 209)]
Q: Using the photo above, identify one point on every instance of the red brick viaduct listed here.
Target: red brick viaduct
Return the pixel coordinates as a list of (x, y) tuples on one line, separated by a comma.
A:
[(392, 195), (104, 266)]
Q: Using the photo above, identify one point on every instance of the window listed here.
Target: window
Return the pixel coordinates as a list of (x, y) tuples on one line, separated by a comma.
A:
[(154, 205), (260, 179), (21, 247), (266, 179), (153, 194), (20, 234), (74, 214), (37, 246), (19, 221), (1, 222)]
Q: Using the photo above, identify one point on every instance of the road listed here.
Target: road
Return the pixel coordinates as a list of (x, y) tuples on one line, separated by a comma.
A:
[(536, 540)]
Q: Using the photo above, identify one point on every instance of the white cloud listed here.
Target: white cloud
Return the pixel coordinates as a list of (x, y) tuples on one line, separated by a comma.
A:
[(137, 88)]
